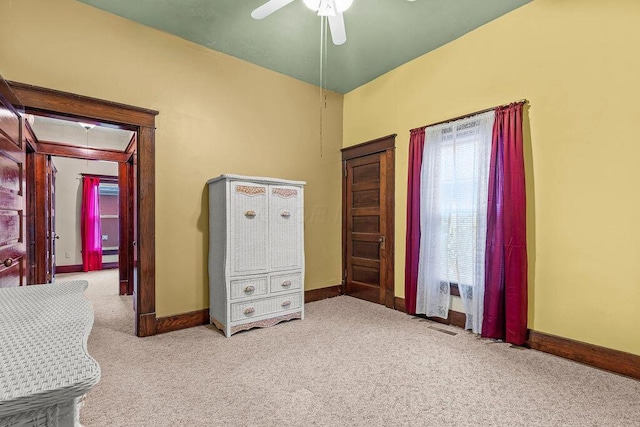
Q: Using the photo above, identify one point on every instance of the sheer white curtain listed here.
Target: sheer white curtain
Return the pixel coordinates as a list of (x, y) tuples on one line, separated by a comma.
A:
[(453, 216)]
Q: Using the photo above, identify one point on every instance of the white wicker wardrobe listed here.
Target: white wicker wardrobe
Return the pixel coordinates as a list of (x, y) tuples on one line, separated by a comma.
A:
[(256, 252)]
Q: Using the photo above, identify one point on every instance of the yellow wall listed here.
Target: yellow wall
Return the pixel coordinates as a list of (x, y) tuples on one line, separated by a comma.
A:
[(577, 63), (218, 115)]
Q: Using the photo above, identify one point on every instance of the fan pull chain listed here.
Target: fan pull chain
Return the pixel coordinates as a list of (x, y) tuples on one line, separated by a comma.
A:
[(322, 59)]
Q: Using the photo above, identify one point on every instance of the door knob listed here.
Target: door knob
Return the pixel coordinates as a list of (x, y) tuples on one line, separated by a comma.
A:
[(8, 262), (57, 237)]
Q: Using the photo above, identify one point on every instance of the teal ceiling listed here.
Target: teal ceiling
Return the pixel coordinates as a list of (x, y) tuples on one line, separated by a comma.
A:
[(381, 34)]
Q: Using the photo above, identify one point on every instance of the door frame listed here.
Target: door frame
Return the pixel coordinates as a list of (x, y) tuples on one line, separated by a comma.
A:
[(43, 101), (385, 145)]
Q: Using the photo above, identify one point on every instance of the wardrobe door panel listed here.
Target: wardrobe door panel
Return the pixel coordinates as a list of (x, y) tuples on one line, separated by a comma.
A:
[(285, 227), (248, 233)]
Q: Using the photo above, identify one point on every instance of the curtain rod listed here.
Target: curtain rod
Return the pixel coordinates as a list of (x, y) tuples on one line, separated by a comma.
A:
[(98, 175), (106, 178), (464, 116)]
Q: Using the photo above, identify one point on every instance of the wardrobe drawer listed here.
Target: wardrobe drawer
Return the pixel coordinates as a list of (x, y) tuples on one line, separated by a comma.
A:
[(248, 287), (285, 282), (262, 307)]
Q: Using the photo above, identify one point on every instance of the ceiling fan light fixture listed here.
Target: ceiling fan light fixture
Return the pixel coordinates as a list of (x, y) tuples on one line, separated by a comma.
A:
[(87, 126), (312, 4), (328, 7), (342, 5)]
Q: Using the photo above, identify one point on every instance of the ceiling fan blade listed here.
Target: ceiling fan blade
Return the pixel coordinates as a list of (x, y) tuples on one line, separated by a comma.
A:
[(268, 8), (338, 32)]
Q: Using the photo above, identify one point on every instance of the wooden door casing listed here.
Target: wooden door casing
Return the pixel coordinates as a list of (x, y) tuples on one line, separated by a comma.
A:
[(13, 249), (51, 220), (53, 103), (368, 221), (40, 218), (125, 215)]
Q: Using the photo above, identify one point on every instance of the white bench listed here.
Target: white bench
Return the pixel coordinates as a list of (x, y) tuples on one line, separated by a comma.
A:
[(44, 366)]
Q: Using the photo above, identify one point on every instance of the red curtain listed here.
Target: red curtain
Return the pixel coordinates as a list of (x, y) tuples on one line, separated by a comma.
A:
[(416, 147), (90, 229), (505, 303)]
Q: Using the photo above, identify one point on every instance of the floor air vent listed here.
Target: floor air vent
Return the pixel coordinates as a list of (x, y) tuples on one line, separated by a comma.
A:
[(444, 331)]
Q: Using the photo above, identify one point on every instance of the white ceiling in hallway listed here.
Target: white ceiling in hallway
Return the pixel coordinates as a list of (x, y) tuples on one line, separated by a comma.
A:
[(73, 133)]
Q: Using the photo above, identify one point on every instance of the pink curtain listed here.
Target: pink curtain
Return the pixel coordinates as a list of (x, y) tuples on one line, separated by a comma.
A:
[(505, 303), (90, 229), (416, 147)]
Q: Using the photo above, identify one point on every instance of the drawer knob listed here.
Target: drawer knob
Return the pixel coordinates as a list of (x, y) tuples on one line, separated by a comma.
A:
[(286, 303), (250, 214), (8, 262), (285, 214), (249, 310), (286, 283), (249, 289)]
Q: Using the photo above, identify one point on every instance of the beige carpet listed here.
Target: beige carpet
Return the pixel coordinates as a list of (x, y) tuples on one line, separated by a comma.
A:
[(349, 363)]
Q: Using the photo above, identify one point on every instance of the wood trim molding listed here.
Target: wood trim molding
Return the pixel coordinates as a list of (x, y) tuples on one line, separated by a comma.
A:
[(454, 290), (78, 152), (62, 269), (146, 326), (54, 103), (182, 321), (604, 358), (201, 317), (370, 147), (607, 359), (132, 146), (30, 137), (39, 214), (390, 200), (399, 304), (322, 293), (599, 357), (455, 318), (9, 95), (126, 214), (146, 239), (38, 98)]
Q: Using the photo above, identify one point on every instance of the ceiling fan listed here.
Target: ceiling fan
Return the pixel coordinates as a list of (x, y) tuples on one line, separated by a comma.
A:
[(332, 9)]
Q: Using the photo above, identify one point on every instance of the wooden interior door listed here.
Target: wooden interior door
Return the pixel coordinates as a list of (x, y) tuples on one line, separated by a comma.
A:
[(127, 213), (40, 218), (13, 257), (125, 226), (368, 236), (133, 240), (51, 221)]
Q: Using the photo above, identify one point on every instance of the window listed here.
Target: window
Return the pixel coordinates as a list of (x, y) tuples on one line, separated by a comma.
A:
[(461, 151), (453, 215)]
